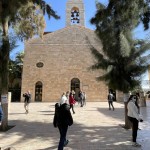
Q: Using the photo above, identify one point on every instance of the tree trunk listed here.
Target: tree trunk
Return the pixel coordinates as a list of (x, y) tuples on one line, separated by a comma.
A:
[(127, 122), (4, 72), (142, 100)]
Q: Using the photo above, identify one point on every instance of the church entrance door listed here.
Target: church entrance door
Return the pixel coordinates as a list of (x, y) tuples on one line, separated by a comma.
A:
[(38, 91), (75, 85)]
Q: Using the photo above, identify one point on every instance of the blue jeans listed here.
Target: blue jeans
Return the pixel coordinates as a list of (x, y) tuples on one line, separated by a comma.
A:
[(63, 133)]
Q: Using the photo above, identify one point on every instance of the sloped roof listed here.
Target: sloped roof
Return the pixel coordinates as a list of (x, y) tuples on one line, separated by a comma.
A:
[(71, 35)]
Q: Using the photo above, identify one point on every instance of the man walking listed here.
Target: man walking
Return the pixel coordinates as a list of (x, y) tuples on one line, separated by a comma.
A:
[(62, 119), (110, 101), (27, 99)]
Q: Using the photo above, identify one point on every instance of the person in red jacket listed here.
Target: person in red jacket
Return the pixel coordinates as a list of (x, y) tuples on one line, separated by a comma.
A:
[(72, 102)]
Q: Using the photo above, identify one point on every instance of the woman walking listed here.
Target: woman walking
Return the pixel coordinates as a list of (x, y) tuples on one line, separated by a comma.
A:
[(62, 119), (72, 102), (134, 117)]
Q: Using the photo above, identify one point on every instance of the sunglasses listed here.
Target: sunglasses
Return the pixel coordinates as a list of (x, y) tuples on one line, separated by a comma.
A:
[(134, 97)]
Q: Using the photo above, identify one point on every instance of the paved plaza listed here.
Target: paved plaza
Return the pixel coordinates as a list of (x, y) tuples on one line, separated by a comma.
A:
[(95, 128)]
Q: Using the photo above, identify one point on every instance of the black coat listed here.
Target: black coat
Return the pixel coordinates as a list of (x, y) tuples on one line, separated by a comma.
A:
[(27, 97), (62, 116)]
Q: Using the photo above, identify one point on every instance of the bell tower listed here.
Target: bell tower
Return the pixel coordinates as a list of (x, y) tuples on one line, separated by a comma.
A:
[(75, 13)]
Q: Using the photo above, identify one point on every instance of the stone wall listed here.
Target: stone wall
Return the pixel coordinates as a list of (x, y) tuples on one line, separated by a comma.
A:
[(66, 55)]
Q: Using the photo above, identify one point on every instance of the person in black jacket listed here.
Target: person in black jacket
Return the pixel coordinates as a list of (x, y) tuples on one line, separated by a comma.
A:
[(110, 100), (62, 119)]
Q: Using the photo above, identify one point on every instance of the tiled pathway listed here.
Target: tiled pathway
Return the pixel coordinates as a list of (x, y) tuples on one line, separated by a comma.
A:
[(95, 128)]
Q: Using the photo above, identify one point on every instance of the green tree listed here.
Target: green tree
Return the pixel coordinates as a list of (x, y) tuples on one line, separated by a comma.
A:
[(15, 68), (145, 17), (122, 54), (13, 72), (12, 42), (26, 18), (15, 76), (19, 58)]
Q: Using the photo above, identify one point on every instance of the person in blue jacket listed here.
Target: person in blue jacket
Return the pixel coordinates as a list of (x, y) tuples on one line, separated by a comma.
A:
[(1, 114)]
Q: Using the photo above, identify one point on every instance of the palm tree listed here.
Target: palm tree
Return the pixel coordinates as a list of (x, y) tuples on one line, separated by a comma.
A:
[(123, 73), (122, 54), (26, 18), (15, 76), (19, 58), (15, 68)]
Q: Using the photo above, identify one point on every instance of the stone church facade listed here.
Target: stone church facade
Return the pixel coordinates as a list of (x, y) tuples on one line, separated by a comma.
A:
[(59, 62)]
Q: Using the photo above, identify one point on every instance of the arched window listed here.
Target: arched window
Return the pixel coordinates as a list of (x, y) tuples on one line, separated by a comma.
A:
[(38, 91), (75, 17)]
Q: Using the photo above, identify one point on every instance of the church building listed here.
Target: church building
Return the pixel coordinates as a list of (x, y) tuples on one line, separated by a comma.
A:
[(60, 61)]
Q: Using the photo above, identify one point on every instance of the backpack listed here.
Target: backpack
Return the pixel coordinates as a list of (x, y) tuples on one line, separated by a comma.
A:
[(110, 97)]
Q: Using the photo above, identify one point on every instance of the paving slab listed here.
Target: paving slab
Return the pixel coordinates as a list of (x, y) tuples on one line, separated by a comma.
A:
[(95, 128)]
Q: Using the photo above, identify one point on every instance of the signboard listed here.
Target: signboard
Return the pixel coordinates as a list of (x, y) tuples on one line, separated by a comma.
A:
[(4, 99)]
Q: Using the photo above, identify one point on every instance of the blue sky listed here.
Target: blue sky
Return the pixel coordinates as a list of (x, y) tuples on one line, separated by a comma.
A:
[(60, 7), (90, 9)]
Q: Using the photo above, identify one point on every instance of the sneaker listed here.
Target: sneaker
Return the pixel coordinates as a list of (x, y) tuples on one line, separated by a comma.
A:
[(136, 144), (66, 142)]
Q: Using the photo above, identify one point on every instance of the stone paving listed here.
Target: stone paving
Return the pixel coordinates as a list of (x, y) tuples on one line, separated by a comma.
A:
[(95, 128)]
